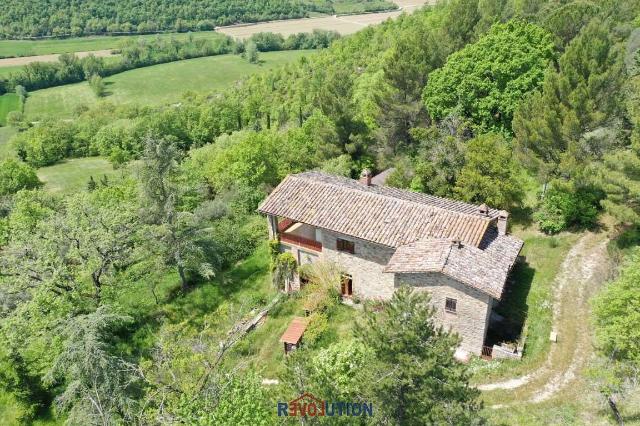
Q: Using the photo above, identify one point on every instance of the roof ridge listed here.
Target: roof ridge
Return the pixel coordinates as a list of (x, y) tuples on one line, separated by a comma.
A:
[(446, 260), (305, 175)]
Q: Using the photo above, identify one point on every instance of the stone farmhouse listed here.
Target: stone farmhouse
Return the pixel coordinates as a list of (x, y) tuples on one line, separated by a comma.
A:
[(383, 238)]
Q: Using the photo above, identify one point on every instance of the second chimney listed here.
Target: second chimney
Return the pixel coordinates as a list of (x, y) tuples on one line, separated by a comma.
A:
[(503, 218), (365, 177)]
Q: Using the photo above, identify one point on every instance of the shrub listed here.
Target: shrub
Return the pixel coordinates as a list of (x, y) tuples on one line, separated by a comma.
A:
[(16, 175), (46, 143), (97, 85), (251, 53), (563, 207), (317, 326), (284, 271), (15, 119)]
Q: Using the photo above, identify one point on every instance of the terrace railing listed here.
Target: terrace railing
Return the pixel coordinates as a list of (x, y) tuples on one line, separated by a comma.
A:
[(285, 224), (301, 241)]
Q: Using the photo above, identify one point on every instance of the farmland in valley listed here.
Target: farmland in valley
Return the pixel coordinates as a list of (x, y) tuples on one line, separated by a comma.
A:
[(157, 84)]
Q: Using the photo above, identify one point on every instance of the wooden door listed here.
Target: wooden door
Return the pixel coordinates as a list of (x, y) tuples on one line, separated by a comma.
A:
[(346, 288)]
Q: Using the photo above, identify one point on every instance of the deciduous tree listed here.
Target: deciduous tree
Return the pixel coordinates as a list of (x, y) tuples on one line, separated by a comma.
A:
[(486, 80)]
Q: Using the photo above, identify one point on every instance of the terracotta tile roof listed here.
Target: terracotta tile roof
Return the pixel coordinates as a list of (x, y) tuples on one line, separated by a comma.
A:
[(294, 331), (484, 269), (428, 255), (379, 214)]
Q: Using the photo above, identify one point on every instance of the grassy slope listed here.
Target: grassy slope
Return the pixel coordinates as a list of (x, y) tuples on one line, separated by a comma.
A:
[(246, 285), (12, 48), (73, 175), (8, 102), (157, 84), (529, 302)]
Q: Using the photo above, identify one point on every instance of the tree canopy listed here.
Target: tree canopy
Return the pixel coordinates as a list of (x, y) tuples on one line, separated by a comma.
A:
[(486, 80)]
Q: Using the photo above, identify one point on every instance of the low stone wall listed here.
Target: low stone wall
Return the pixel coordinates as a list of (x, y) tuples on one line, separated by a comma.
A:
[(503, 353)]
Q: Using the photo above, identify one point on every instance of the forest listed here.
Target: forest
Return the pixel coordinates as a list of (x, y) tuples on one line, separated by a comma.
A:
[(527, 106), (63, 18)]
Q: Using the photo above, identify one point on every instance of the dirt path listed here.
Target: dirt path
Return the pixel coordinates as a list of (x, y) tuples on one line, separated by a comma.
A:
[(24, 60), (583, 271)]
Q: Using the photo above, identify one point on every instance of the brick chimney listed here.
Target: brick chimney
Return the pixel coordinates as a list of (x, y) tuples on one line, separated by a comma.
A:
[(365, 177), (503, 218)]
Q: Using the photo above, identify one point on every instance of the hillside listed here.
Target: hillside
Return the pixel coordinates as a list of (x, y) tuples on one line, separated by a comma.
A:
[(454, 237)]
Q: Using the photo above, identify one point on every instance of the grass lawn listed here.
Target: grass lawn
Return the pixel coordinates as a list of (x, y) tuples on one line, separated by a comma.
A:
[(528, 302), (158, 84), (8, 102), (73, 175), (6, 133), (12, 48)]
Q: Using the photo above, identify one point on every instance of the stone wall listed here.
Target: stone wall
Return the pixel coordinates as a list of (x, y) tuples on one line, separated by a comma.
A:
[(473, 308), (365, 265)]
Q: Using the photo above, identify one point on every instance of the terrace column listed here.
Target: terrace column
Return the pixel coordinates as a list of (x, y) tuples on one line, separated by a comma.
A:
[(272, 222)]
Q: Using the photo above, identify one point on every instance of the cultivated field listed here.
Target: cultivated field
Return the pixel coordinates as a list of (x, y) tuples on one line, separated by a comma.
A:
[(342, 24), (17, 53), (17, 62), (159, 84)]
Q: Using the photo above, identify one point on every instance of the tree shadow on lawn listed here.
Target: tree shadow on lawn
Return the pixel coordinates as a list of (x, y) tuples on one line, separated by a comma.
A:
[(513, 307), (522, 216), (107, 92)]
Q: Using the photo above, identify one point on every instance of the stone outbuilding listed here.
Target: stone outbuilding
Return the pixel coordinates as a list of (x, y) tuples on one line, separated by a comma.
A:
[(383, 238)]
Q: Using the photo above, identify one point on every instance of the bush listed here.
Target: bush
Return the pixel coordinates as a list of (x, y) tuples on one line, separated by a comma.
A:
[(16, 175), (15, 119), (97, 85), (562, 208), (251, 53), (317, 326), (47, 143)]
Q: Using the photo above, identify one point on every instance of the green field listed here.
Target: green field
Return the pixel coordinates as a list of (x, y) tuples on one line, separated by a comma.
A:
[(5, 134), (8, 102), (355, 6), (12, 48), (73, 175), (5, 71), (159, 84)]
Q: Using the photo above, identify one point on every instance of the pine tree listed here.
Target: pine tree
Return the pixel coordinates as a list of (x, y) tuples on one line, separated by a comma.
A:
[(415, 378)]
